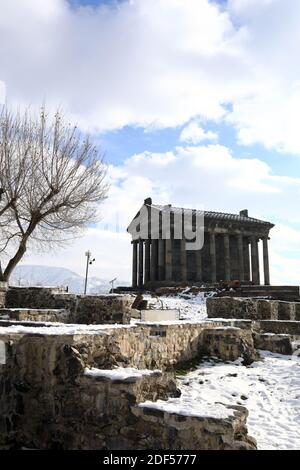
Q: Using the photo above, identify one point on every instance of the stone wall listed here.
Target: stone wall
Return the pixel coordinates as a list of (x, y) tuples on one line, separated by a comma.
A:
[(286, 327), (278, 336), (35, 315), (288, 293), (48, 402), (171, 431), (252, 308), (163, 347), (229, 343), (87, 309), (281, 344), (280, 327), (50, 399), (34, 297), (143, 346)]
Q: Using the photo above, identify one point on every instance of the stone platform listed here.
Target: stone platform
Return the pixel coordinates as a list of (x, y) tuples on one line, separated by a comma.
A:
[(47, 304), (252, 308), (288, 293), (275, 324), (60, 389)]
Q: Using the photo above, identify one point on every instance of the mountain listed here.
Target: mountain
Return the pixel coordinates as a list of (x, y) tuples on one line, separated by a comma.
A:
[(33, 275)]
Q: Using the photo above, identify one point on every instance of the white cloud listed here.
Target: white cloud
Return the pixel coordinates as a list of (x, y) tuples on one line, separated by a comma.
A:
[(269, 43), (190, 177), (155, 63), (194, 134), (159, 63)]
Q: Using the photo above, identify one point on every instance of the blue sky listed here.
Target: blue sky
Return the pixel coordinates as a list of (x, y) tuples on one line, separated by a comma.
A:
[(121, 144), (192, 102)]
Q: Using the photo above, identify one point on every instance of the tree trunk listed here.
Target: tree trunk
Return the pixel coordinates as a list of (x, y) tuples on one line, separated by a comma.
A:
[(14, 261), (1, 273), (21, 250)]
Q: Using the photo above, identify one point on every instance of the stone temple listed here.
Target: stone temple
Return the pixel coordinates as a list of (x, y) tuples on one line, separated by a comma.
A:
[(230, 250)]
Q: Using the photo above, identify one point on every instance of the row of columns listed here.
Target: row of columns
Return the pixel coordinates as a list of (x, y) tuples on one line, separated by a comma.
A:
[(152, 260)]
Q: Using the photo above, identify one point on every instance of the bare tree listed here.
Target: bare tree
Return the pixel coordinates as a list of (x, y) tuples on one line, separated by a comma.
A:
[(52, 180)]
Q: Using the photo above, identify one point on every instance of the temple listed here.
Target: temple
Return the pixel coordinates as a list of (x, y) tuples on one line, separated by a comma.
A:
[(230, 248)]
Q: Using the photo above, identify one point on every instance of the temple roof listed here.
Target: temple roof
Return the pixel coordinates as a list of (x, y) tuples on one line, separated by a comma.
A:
[(221, 216)]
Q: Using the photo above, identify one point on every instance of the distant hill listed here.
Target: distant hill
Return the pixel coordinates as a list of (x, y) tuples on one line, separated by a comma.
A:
[(34, 275)]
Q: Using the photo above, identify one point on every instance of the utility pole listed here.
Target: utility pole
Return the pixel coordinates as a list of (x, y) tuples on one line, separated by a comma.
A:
[(112, 284), (89, 261)]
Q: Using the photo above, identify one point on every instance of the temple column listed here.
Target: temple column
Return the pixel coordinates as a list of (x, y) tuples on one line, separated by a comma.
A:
[(254, 261), (147, 261), (199, 265), (183, 260), (134, 263), (168, 260), (212, 252), (246, 259), (226, 257), (154, 260), (241, 257), (141, 263), (161, 259), (257, 268), (266, 261)]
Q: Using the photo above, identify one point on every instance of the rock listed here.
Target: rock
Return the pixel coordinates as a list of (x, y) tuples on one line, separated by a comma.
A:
[(54, 304), (281, 344), (228, 344)]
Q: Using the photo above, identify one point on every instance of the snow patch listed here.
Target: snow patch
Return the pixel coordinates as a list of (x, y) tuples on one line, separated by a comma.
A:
[(191, 307), (269, 389), (186, 406), (120, 373)]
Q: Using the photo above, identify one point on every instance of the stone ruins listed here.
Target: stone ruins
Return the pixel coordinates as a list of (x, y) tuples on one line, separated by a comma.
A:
[(76, 374)]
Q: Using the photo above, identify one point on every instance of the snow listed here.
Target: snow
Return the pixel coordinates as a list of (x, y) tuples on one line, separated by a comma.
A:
[(61, 329), (191, 307), (269, 389), (120, 373), (185, 406)]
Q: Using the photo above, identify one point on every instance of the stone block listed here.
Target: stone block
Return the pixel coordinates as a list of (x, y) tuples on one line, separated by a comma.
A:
[(267, 309), (252, 308), (87, 309), (173, 431), (231, 307), (229, 344), (280, 327), (285, 310), (35, 315), (280, 344), (297, 311)]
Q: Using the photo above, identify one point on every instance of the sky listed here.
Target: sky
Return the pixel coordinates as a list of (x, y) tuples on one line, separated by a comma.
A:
[(194, 103)]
